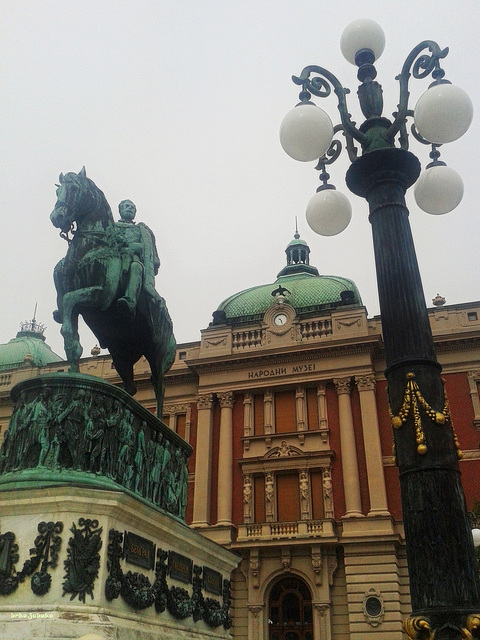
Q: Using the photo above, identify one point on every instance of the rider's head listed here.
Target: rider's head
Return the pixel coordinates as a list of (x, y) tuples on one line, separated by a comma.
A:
[(127, 210)]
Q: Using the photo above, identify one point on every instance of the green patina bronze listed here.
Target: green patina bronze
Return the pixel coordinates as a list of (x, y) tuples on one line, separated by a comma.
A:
[(73, 428), (108, 276)]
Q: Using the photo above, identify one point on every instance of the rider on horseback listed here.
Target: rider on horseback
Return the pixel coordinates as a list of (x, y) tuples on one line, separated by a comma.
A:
[(140, 261)]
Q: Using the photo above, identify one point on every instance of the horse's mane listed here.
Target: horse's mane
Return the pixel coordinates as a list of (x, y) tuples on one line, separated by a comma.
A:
[(99, 202)]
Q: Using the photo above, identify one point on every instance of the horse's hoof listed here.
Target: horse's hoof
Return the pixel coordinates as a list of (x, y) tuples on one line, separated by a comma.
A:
[(131, 389), (126, 307), (57, 316)]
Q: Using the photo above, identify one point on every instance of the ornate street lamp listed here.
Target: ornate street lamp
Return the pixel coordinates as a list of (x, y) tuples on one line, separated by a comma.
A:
[(444, 584)]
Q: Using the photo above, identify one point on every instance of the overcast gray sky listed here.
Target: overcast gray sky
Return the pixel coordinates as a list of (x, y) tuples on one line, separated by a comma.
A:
[(177, 105)]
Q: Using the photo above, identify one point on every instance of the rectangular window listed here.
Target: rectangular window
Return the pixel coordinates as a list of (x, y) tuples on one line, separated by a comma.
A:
[(285, 414), (166, 420), (258, 414), (288, 498), (181, 421), (259, 484), (312, 409), (317, 494)]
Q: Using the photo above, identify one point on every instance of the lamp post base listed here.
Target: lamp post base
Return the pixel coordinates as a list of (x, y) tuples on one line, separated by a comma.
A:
[(449, 626)]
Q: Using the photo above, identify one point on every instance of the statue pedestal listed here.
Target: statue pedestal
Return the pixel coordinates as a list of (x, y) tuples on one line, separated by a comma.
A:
[(93, 538), (116, 567)]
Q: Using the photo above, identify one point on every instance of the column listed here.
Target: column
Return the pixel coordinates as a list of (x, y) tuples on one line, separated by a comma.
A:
[(203, 461), (351, 480), (225, 460), (373, 450)]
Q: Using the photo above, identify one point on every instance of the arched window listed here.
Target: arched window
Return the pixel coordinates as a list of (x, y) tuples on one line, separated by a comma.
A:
[(290, 610)]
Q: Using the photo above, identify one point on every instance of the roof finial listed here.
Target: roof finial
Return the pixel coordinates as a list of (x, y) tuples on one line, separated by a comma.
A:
[(297, 235)]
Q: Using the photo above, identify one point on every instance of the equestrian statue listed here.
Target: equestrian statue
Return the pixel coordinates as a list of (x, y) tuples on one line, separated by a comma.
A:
[(108, 276)]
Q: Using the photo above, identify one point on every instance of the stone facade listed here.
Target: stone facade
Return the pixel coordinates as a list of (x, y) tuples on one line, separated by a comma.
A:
[(292, 465)]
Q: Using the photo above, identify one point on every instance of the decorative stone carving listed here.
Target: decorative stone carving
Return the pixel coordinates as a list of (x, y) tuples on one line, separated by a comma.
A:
[(254, 611), (283, 451), (322, 412), (304, 485), (332, 565), (343, 385), (247, 498), (373, 607), (268, 411), (226, 399), (366, 382), (205, 401), (323, 610), (317, 562), (254, 567), (473, 382), (269, 497), (286, 558), (247, 415), (300, 408), (327, 493)]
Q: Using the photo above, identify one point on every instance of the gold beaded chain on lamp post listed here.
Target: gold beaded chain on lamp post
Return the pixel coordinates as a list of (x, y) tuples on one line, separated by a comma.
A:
[(412, 402)]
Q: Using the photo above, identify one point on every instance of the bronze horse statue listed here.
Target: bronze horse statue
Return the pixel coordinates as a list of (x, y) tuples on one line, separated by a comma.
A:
[(90, 281)]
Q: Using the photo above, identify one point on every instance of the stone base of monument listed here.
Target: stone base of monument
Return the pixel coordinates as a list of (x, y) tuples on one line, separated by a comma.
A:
[(92, 533), (74, 561)]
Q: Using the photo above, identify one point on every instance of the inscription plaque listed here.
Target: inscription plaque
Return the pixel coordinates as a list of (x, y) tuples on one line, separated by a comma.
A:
[(212, 581), (180, 567), (139, 551)]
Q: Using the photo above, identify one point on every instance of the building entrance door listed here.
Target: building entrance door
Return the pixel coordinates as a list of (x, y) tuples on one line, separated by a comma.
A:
[(290, 610)]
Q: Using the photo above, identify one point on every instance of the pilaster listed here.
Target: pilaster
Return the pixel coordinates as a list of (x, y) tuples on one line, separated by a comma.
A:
[(373, 450), (351, 478), (203, 461)]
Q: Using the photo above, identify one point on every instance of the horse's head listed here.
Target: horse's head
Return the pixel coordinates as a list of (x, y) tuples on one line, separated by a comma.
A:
[(71, 194), (80, 200)]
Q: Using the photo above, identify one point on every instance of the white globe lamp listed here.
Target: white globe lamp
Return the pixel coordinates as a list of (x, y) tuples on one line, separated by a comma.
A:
[(329, 212), (443, 113), (362, 34), (306, 132), (438, 190)]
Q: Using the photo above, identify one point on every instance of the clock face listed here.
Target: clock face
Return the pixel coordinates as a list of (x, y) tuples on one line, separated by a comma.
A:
[(280, 319)]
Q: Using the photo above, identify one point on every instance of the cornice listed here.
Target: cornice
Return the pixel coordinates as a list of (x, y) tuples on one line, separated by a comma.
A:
[(286, 355)]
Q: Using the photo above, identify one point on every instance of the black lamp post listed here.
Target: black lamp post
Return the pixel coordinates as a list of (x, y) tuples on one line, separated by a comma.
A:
[(444, 584)]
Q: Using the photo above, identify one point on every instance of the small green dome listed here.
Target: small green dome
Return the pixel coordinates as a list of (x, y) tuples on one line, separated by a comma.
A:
[(298, 282), (28, 347)]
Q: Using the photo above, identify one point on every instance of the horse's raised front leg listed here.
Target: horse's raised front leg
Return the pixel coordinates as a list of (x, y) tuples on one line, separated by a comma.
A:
[(71, 302)]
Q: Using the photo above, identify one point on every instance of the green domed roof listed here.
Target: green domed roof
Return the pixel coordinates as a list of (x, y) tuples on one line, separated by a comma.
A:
[(301, 285), (27, 347)]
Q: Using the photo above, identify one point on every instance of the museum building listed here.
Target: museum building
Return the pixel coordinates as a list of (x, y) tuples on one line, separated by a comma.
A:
[(284, 403)]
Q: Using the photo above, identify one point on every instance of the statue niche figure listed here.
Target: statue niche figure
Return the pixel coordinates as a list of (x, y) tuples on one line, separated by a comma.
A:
[(108, 276)]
